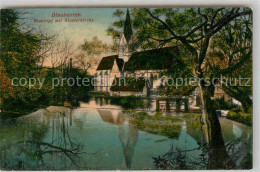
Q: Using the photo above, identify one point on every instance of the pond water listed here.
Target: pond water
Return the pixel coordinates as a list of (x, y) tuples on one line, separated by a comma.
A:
[(99, 137)]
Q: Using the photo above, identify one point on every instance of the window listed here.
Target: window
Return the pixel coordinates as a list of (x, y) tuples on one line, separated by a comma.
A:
[(101, 79), (151, 80)]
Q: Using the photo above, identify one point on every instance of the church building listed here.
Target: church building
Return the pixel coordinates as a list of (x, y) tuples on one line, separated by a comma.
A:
[(133, 73)]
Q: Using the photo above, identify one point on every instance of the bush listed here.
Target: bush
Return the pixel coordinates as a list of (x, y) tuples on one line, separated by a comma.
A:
[(130, 102), (242, 117), (220, 103), (141, 115), (157, 124), (99, 94), (158, 114)]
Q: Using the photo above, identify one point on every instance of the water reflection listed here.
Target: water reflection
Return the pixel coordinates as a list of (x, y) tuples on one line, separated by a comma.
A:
[(238, 146), (127, 102), (33, 141), (128, 132), (104, 138)]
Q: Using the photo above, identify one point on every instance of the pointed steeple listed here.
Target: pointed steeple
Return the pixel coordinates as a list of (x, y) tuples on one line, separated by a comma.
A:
[(128, 32)]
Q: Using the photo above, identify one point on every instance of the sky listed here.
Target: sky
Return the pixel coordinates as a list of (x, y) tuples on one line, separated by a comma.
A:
[(76, 32)]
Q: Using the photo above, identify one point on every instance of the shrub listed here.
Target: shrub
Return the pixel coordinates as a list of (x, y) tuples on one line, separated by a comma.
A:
[(242, 117), (130, 102), (157, 124), (220, 103), (141, 115), (158, 114)]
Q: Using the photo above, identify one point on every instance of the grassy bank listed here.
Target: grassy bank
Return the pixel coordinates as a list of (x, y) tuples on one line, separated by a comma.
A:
[(242, 117), (157, 124)]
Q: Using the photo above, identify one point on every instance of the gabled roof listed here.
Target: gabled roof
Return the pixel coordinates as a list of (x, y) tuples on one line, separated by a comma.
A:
[(155, 59), (107, 63)]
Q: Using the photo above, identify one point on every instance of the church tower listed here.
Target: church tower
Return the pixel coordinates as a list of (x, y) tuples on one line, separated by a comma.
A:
[(124, 51)]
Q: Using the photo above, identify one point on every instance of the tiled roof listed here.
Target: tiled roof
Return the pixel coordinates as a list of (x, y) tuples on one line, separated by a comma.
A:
[(155, 59)]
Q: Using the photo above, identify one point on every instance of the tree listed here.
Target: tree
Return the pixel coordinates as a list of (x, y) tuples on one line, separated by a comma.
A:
[(23, 52), (123, 25), (128, 32), (20, 51), (117, 26), (90, 51), (193, 28), (230, 45), (6, 88)]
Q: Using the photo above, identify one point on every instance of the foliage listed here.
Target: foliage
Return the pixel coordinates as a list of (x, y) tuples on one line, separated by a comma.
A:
[(112, 30), (122, 25), (130, 102), (128, 84), (128, 32), (157, 124), (230, 45), (6, 89), (194, 29), (90, 52), (179, 159), (20, 49), (190, 115), (98, 94), (94, 47), (220, 103), (22, 54), (242, 117), (247, 162)]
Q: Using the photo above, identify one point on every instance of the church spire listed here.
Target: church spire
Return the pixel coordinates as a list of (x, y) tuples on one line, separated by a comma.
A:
[(128, 32)]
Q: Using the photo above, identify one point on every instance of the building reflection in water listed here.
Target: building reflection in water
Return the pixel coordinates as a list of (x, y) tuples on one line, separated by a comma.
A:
[(50, 139), (128, 132)]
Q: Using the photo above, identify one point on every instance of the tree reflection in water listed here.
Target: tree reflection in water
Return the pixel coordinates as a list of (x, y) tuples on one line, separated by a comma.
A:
[(237, 148), (33, 152), (176, 158), (130, 102), (57, 140)]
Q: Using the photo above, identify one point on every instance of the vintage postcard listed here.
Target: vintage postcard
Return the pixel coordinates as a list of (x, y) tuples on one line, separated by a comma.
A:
[(126, 88)]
